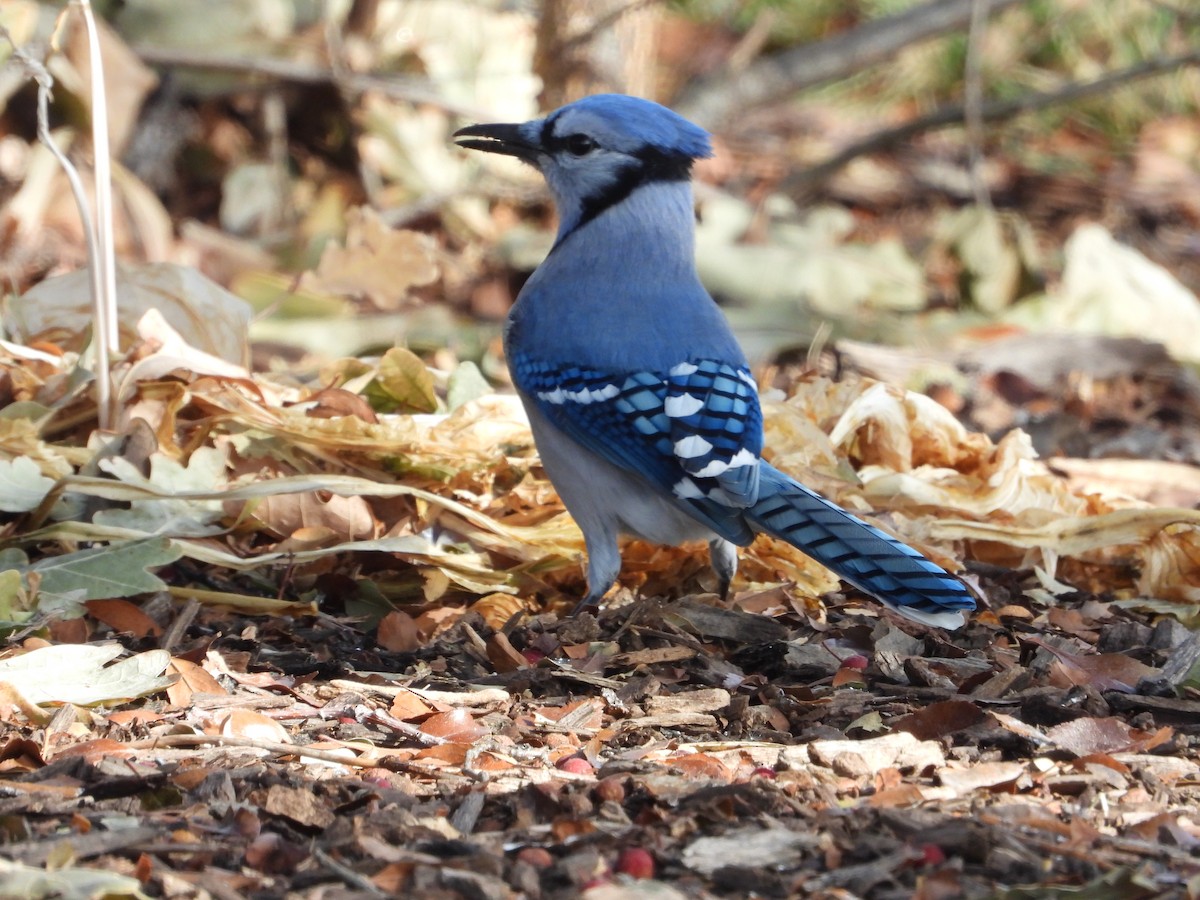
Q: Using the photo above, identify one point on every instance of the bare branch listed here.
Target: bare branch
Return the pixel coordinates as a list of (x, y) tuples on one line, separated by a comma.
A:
[(973, 98), (990, 112), (717, 98)]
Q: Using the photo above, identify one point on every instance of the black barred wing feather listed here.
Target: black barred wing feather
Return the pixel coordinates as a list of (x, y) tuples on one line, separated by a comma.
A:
[(694, 432), (870, 559), (716, 431)]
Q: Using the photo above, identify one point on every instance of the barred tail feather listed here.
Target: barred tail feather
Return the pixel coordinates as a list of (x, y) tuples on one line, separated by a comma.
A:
[(874, 562)]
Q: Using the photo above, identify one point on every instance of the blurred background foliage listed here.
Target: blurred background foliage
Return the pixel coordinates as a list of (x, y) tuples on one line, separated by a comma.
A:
[(251, 131)]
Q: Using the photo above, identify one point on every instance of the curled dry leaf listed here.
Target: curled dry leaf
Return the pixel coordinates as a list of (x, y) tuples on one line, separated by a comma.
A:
[(246, 723), (193, 679), (497, 609), (455, 725)]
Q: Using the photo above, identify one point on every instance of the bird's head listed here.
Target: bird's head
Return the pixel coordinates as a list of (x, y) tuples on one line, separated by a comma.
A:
[(596, 151)]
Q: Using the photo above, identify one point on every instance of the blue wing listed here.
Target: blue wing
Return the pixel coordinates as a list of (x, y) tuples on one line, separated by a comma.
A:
[(694, 432)]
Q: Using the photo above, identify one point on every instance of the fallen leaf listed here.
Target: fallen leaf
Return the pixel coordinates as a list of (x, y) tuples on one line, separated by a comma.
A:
[(1087, 736), (980, 775), (77, 673), (899, 750), (398, 632), (246, 723), (192, 679), (123, 616), (454, 725), (940, 719)]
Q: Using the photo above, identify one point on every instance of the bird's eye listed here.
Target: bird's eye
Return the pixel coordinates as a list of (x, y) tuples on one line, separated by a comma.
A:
[(580, 144)]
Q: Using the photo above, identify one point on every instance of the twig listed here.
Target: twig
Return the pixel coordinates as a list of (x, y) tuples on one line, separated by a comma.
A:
[(106, 309), (973, 99), (348, 875), (41, 76), (952, 115), (717, 98), (275, 748)]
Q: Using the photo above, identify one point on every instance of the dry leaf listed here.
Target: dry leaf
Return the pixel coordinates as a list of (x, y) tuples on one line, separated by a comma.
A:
[(379, 263), (454, 725), (123, 616), (246, 723), (398, 632), (193, 679), (1087, 736)]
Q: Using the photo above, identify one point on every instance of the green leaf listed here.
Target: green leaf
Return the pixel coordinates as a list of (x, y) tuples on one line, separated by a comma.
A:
[(466, 383), (406, 380), (205, 471), (14, 599), (100, 573)]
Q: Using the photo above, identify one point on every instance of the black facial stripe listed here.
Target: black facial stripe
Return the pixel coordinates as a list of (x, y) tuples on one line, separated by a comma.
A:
[(550, 143), (653, 166)]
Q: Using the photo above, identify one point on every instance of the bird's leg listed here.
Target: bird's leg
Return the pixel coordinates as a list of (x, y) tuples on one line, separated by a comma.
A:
[(603, 567), (723, 555)]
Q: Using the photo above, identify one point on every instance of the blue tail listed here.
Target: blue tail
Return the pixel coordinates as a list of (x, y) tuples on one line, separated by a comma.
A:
[(875, 563)]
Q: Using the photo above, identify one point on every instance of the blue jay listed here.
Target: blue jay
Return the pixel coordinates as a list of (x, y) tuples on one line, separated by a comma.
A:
[(642, 406)]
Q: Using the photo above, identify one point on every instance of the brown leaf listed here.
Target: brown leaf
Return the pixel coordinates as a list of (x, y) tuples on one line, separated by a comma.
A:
[(96, 750), (1103, 671), (498, 608), (451, 754), (192, 680), (125, 717), (273, 854), (393, 878), (123, 616), (1108, 735), (701, 765), (398, 632), (377, 262), (407, 706), (70, 631), (20, 755), (980, 775), (332, 403), (455, 725), (579, 714), (504, 656), (299, 805), (903, 795), (940, 719)]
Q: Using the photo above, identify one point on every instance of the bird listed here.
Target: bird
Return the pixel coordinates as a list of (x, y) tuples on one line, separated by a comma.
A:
[(642, 405)]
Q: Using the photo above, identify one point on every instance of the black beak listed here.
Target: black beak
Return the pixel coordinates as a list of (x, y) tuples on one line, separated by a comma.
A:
[(498, 138)]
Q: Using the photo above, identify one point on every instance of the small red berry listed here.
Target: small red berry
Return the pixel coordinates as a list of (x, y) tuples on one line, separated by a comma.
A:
[(763, 772), (636, 863), (576, 765), (934, 855), (855, 661)]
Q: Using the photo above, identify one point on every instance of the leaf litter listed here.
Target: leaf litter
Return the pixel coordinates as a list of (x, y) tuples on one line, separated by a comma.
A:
[(779, 744)]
